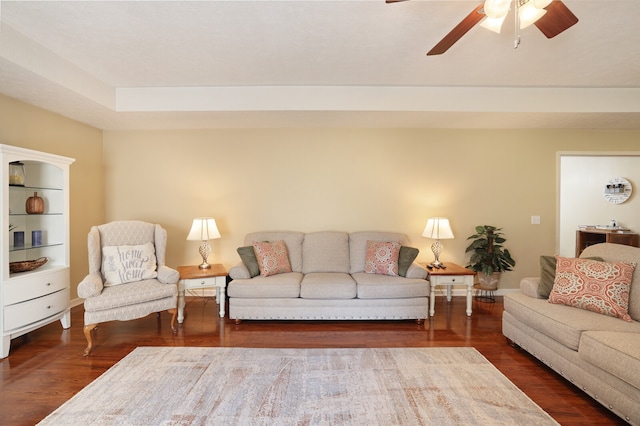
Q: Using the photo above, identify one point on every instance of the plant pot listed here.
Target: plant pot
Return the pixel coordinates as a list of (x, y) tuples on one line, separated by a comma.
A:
[(489, 281)]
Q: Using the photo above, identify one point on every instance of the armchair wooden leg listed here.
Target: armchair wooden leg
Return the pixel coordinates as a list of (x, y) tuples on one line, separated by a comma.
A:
[(174, 314), (87, 334)]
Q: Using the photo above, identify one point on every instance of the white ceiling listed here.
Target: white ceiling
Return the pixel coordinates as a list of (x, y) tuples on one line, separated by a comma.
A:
[(300, 63)]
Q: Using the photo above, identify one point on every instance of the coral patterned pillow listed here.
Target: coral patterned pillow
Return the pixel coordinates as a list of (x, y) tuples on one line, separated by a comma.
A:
[(595, 286), (382, 258), (272, 257)]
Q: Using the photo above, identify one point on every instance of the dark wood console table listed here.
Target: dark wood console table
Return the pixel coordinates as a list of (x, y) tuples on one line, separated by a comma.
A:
[(587, 237)]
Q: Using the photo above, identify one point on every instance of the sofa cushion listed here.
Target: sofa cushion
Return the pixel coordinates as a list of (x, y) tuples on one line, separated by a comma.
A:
[(248, 256), (548, 274), (358, 245), (327, 285), (292, 239), (371, 286), (272, 257), (325, 252), (621, 253), (614, 352), (382, 258), (281, 285), (128, 263), (601, 287), (405, 258), (564, 324)]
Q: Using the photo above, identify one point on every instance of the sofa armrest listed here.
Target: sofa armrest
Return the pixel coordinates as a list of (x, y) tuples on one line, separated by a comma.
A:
[(417, 271), (529, 286), (168, 275), (239, 272), (90, 286)]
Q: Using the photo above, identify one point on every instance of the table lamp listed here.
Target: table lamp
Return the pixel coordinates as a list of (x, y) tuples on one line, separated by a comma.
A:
[(204, 229), (437, 228)]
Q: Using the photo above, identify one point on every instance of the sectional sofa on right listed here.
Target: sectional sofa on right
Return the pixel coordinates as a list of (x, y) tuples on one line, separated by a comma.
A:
[(597, 352)]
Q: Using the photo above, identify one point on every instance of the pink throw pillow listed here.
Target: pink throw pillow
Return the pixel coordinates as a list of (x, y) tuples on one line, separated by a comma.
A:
[(600, 287), (382, 258), (272, 257)]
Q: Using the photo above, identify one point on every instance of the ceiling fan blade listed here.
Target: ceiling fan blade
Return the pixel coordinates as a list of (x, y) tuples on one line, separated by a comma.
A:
[(394, 1), (557, 19), (461, 29)]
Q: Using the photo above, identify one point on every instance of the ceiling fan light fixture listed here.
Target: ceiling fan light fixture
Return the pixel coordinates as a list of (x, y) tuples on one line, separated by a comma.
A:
[(496, 8), (493, 24), (528, 14), (541, 4)]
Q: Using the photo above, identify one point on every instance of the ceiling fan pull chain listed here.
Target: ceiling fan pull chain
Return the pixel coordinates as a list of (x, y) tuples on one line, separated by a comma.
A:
[(516, 38)]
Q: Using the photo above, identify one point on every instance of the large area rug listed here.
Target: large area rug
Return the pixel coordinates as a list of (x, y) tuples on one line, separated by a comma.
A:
[(243, 386)]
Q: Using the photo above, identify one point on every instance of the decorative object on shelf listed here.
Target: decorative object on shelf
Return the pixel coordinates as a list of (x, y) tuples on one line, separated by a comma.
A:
[(36, 238), (204, 229), (27, 265), (437, 228), (16, 173), (18, 239), (35, 204), (489, 257), (617, 190)]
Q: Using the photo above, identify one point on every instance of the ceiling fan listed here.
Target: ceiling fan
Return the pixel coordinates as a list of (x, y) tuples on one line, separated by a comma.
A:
[(551, 17)]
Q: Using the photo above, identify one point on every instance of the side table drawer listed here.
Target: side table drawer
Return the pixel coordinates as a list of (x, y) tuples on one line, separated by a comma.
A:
[(447, 280), (204, 282), (21, 314)]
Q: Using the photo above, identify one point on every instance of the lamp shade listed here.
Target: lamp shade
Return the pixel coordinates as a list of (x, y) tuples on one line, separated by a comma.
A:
[(203, 229), (529, 14), (493, 24), (496, 8), (438, 228)]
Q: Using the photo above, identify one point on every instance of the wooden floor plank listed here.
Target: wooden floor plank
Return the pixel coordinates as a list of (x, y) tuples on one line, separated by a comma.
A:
[(46, 367)]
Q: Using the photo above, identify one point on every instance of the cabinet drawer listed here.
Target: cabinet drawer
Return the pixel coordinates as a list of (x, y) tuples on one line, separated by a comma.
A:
[(21, 314), (34, 285), (204, 282)]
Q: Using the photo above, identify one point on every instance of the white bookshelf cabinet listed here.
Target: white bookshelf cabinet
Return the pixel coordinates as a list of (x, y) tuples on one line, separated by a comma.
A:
[(32, 299)]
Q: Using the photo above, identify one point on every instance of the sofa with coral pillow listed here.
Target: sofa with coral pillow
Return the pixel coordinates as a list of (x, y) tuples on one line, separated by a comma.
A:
[(327, 275), (582, 319)]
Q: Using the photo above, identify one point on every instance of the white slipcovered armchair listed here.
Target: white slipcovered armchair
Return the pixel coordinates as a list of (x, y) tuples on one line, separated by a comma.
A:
[(127, 275)]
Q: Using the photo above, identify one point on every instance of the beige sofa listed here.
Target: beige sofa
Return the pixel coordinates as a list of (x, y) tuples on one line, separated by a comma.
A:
[(599, 354), (327, 282)]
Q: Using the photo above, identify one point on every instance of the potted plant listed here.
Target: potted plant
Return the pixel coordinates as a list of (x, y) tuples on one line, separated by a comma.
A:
[(489, 257)]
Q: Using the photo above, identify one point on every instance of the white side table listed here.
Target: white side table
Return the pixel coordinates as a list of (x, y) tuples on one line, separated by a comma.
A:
[(193, 277), (453, 275)]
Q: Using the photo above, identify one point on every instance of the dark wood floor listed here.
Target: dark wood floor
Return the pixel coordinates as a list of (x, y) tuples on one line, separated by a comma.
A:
[(46, 367)]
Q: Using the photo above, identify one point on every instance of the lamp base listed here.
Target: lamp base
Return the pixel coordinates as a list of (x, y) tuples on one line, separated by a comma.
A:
[(204, 250), (437, 248)]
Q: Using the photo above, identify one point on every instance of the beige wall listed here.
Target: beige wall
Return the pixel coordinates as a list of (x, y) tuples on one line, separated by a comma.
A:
[(309, 180), (30, 127), (348, 180)]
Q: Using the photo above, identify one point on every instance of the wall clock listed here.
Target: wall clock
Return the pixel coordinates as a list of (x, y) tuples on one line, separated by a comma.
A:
[(617, 190)]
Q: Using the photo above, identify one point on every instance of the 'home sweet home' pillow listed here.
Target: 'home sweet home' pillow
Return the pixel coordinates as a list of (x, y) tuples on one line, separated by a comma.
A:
[(272, 257), (600, 287), (382, 258), (126, 264)]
